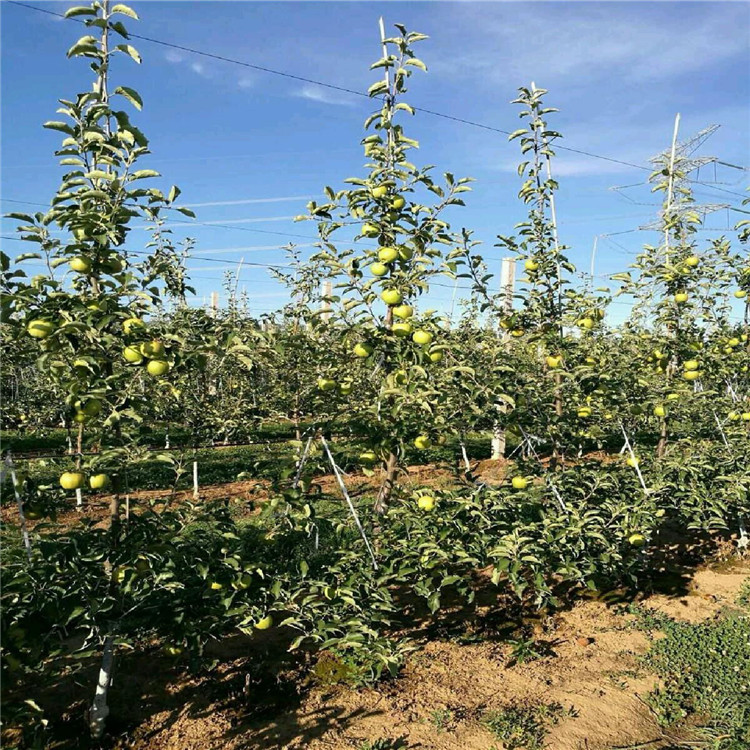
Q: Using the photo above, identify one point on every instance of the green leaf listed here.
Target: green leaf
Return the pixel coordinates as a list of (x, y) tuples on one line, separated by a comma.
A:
[(131, 95), (143, 174), (61, 126), (131, 51), (120, 8), (416, 62), (79, 10)]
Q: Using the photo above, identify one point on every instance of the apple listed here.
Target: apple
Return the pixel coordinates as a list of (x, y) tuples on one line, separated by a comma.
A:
[(733, 342), (531, 265), (368, 457), (691, 375), (422, 337), (387, 254), (91, 407), (98, 481), (363, 350), (71, 480), (132, 354), (691, 364), (80, 264), (692, 261), (153, 349), (391, 296), (740, 294), (519, 483), (584, 411), (79, 417), (118, 574), (112, 265), (517, 333), (681, 298), (553, 361), (399, 377), (436, 356), (157, 367), (673, 397), (378, 269), (216, 586), (245, 580), (32, 513), (40, 328), (403, 311), (401, 328), (734, 416), (326, 384), (587, 323), (398, 203), (425, 502), (660, 411), (405, 253), (637, 540), (345, 389), (379, 192), (631, 461), (590, 361), (173, 650), (370, 230), (422, 442), (746, 416), (265, 623), (130, 325)]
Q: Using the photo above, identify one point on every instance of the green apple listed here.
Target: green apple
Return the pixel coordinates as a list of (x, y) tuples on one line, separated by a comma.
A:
[(637, 540), (391, 296), (80, 264), (398, 203), (363, 350), (691, 375), (519, 483), (517, 333), (152, 349), (90, 407), (673, 397), (379, 192), (401, 328), (681, 298), (157, 367), (130, 325), (387, 254), (660, 411), (378, 269), (40, 329), (422, 442), (71, 480), (80, 418), (531, 265), (422, 337), (112, 265), (587, 323), (405, 253), (403, 311), (265, 623), (345, 389), (425, 502), (436, 356), (132, 354), (734, 416), (370, 230), (692, 261), (691, 364), (326, 384), (368, 457), (244, 582), (98, 481)]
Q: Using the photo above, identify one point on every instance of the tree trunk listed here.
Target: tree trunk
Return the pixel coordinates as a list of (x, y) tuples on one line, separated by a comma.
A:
[(386, 489)]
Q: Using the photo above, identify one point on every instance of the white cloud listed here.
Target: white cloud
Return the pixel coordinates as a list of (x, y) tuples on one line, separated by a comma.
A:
[(246, 82), (325, 96), (173, 56), (200, 69)]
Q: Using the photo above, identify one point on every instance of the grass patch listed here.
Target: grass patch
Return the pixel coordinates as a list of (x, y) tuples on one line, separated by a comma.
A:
[(521, 726)]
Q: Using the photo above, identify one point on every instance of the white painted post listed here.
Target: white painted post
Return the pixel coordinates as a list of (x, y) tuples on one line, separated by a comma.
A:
[(99, 708), (670, 186), (79, 500), (195, 480), (507, 284), (24, 531), (325, 305)]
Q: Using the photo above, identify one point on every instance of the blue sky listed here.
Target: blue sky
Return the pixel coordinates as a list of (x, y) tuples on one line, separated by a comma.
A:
[(254, 147)]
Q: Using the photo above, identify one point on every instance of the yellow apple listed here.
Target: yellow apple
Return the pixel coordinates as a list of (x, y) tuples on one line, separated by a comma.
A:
[(425, 502), (387, 254), (370, 230), (131, 325), (681, 298), (422, 337), (363, 350), (98, 481), (398, 203), (265, 623), (378, 269), (519, 483), (422, 442), (132, 354), (80, 264), (379, 192), (401, 328), (403, 311), (391, 296), (531, 265), (553, 361), (691, 364), (40, 329), (71, 480), (157, 367)]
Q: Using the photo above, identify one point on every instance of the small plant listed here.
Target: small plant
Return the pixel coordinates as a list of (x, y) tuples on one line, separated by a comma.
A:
[(743, 598), (383, 744), (441, 718), (518, 726), (525, 650)]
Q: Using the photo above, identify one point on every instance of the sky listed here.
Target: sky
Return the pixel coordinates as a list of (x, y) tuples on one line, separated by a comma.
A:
[(250, 148)]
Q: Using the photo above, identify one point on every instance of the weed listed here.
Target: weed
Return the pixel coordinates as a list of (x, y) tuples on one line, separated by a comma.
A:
[(520, 726), (441, 718)]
